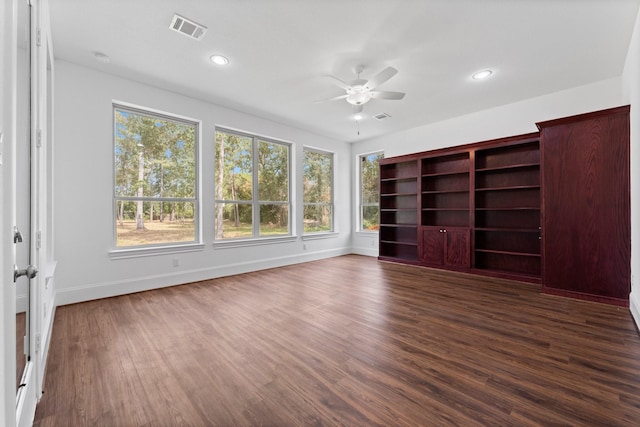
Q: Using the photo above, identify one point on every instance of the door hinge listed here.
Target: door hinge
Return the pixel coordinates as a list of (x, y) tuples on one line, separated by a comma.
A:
[(38, 239), (38, 340), (38, 36), (39, 138), (25, 345)]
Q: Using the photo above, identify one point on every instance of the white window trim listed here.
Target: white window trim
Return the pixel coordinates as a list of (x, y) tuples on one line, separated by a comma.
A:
[(358, 199), (321, 234), (255, 239), (169, 247)]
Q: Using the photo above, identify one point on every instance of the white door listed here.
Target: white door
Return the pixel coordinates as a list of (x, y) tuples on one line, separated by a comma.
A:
[(8, 136)]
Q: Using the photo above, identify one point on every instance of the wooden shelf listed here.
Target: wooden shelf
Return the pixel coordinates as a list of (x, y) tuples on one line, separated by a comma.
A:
[(399, 243), (398, 194), (510, 188), (445, 191), (428, 175), (518, 208), (514, 230), (509, 167), (493, 251)]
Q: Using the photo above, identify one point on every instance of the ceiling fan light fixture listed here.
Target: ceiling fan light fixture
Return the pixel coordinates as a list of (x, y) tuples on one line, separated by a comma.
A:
[(359, 98)]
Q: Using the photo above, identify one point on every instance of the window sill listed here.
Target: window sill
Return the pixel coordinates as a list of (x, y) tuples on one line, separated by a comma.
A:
[(153, 251), (225, 244), (323, 235)]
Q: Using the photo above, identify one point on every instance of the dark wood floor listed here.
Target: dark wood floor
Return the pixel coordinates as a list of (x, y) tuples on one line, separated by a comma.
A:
[(345, 341)]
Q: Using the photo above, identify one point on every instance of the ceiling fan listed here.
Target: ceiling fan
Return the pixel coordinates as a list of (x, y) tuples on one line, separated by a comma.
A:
[(361, 91)]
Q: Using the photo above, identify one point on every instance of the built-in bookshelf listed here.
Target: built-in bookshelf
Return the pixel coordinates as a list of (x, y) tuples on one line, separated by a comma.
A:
[(507, 209), (399, 210)]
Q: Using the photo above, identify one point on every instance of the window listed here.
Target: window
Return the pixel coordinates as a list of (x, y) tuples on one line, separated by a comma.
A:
[(369, 191), (318, 191), (252, 186), (156, 190)]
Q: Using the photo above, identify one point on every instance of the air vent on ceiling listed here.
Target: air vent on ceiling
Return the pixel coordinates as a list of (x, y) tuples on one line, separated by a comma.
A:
[(187, 27), (381, 116)]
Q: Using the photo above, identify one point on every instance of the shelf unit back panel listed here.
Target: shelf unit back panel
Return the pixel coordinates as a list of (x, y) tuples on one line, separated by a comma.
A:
[(399, 234), (408, 217), (456, 200), (446, 164), (508, 156), (513, 177), (399, 186), (508, 241), (445, 218), (515, 199), (503, 219), (400, 251), (520, 265), (445, 183), (407, 169), (399, 201)]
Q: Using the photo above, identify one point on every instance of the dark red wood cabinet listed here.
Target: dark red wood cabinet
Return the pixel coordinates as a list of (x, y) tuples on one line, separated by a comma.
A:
[(587, 225), (446, 246), (551, 207)]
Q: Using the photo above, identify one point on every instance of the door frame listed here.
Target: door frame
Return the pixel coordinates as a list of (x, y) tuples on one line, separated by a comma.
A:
[(8, 125)]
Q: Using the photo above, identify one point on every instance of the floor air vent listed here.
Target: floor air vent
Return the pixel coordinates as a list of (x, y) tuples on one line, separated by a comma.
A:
[(187, 27)]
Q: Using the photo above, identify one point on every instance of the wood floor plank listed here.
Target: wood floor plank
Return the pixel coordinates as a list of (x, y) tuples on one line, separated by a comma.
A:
[(347, 341)]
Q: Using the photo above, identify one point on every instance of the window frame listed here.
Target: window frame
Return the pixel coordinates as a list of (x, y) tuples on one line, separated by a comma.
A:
[(118, 252), (331, 204), (360, 204), (255, 238)]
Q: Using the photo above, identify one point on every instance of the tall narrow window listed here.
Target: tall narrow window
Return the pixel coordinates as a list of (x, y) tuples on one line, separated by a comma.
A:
[(369, 191), (318, 191), (252, 186), (155, 164)]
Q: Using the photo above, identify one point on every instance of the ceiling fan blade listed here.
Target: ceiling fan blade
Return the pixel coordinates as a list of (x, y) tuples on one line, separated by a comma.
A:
[(387, 95), (341, 84), (380, 78), (358, 108), (335, 98)]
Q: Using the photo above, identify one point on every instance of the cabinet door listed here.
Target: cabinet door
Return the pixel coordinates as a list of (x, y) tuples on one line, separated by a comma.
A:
[(433, 245), (586, 230), (458, 247)]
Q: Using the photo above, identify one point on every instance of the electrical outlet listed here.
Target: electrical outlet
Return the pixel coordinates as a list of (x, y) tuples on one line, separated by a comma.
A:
[(373, 243), (176, 262), (304, 246)]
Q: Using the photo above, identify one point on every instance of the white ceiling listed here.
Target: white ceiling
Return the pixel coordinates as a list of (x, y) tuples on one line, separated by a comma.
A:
[(281, 52)]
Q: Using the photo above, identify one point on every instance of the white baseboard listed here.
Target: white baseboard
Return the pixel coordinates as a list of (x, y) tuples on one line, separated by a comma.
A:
[(634, 307), (373, 252), (94, 291)]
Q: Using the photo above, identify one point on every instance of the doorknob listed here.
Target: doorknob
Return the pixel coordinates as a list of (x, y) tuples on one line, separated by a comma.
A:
[(30, 272)]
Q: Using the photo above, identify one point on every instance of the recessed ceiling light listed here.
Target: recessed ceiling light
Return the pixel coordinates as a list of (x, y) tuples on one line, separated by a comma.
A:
[(482, 74), (101, 57), (358, 117), (219, 59)]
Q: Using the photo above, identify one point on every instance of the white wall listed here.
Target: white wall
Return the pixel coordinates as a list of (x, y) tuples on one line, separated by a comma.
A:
[(84, 190), (631, 80), (507, 120)]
